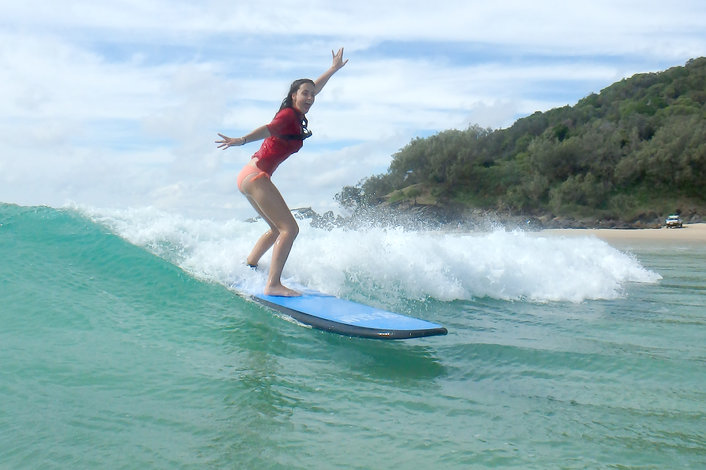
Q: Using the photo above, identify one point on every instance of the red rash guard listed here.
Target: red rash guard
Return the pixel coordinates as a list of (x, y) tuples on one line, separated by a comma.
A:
[(276, 149)]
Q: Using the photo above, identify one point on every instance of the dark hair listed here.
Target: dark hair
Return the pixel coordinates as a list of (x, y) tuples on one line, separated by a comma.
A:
[(287, 102)]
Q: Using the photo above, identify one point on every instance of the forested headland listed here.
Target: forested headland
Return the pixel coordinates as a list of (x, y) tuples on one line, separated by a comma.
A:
[(627, 156)]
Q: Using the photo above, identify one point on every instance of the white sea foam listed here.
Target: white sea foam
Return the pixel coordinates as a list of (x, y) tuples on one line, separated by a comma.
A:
[(407, 264)]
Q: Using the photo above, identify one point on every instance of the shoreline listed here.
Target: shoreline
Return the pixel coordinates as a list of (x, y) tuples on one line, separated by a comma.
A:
[(692, 233)]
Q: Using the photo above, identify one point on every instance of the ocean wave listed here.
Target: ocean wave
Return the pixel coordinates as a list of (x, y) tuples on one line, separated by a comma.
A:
[(403, 264)]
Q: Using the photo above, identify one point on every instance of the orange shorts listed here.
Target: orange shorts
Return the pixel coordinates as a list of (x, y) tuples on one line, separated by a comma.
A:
[(248, 170)]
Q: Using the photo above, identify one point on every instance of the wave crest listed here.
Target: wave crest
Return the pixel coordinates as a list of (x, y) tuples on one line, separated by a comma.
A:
[(405, 264)]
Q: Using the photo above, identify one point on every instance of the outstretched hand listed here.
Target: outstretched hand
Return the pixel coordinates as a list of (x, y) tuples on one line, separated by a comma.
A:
[(338, 61), (230, 142)]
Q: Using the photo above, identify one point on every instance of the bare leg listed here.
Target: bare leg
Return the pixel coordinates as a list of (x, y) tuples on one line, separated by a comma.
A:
[(263, 244), (268, 202)]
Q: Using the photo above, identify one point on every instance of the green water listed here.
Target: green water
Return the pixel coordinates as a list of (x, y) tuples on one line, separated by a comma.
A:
[(112, 357)]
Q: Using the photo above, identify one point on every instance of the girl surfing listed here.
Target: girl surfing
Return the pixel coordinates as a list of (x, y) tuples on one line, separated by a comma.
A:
[(283, 137)]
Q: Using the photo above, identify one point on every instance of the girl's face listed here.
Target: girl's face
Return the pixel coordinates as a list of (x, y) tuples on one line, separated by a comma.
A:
[(303, 99)]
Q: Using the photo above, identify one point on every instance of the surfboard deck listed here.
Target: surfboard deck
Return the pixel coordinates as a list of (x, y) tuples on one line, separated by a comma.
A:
[(345, 317)]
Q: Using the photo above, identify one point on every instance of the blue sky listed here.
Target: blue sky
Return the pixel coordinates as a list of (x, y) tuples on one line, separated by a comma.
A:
[(117, 103)]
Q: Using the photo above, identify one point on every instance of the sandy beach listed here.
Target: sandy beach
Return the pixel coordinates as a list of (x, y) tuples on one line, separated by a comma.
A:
[(692, 233)]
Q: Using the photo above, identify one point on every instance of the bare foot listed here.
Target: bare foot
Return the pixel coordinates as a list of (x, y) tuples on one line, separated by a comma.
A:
[(281, 291)]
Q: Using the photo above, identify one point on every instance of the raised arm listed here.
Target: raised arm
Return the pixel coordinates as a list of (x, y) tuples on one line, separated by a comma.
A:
[(337, 65)]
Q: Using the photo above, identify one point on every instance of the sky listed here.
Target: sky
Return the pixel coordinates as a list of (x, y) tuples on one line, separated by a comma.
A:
[(117, 104)]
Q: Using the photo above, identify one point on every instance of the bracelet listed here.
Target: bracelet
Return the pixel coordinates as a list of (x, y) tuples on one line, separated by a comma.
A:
[(245, 140)]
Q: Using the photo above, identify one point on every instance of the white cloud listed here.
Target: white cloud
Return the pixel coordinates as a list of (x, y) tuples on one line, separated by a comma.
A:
[(118, 102)]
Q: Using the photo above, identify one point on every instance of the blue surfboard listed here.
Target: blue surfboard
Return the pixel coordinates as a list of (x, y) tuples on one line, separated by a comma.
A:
[(330, 313)]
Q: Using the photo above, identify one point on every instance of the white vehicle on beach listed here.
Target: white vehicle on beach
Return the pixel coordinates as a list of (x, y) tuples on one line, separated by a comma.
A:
[(673, 221)]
